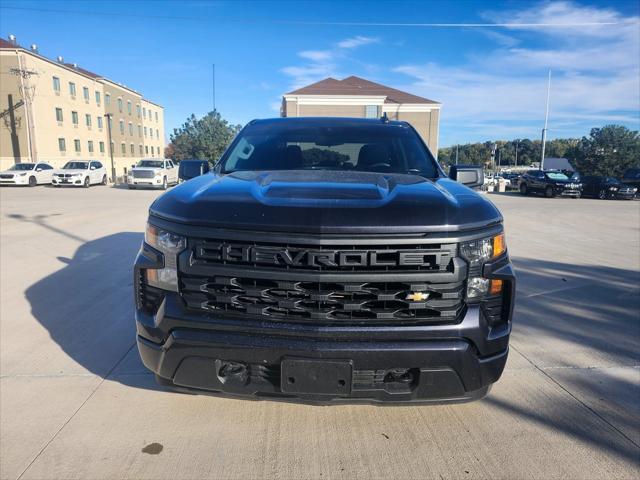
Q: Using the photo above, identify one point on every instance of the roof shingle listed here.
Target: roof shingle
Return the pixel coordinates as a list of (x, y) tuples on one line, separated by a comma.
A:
[(359, 86)]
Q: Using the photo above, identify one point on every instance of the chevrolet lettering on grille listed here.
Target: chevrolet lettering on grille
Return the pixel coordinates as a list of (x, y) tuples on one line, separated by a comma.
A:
[(322, 258)]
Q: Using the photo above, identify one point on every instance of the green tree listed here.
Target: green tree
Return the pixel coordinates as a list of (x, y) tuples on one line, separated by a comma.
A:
[(607, 151), (202, 138)]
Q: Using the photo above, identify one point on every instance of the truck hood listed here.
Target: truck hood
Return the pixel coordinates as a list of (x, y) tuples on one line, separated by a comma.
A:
[(326, 202), (142, 169)]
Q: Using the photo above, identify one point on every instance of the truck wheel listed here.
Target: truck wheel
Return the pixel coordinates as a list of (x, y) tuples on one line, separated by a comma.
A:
[(523, 189), (32, 181), (87, 182), (164, 183), (602, 194), (548, 192)]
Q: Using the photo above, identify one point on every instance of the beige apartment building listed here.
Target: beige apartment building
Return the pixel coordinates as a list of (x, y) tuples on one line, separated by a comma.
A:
[(53, 112), (357, 97)]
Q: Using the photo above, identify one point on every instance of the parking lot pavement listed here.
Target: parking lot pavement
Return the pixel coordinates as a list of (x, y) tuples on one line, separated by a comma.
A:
[(75, 401)]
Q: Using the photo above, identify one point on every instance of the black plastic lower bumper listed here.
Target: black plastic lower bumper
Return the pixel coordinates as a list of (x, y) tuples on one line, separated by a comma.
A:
[(427, 371)]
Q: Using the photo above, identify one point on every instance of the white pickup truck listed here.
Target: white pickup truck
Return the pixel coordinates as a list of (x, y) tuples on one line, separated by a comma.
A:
[(157, 172)]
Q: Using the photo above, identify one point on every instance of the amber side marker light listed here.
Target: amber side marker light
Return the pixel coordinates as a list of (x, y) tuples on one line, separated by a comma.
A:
[(496, 287), (499, 245)]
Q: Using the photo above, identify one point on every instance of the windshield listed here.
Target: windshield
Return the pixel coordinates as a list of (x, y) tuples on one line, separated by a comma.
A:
[(23, 166), (76, 166), (192, 169), (364, 148), (557, 176), (150, 163)]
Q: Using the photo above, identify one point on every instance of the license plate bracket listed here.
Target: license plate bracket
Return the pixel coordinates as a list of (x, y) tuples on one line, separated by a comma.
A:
[(310, 376)]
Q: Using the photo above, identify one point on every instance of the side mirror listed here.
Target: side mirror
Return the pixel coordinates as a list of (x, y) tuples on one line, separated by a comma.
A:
[(92, 167), (38, 169), (470, 175)]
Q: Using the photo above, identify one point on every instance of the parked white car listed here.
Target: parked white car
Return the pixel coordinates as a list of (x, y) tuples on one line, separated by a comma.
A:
[(31, 174), (80, 173), (153, 172)]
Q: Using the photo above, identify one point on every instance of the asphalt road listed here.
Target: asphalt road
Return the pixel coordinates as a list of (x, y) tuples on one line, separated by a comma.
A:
[(75, 401)]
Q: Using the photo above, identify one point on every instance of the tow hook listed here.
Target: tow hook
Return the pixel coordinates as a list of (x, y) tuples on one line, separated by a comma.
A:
[(232, 372), (404, 376)]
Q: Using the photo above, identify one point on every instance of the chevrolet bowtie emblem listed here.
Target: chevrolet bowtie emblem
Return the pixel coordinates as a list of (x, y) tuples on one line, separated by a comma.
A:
[(417, 296)]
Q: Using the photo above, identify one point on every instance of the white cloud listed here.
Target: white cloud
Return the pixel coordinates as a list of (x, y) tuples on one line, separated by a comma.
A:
[(357, 41), (316, 55), (323, 63)]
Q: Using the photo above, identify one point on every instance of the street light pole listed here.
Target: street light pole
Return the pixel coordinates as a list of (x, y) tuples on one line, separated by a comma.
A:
[(113, 167), (517, 143), (456, 154), (546, 118)]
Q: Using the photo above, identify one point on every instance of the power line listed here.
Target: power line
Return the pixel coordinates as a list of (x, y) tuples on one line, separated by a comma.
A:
[(327, 23)]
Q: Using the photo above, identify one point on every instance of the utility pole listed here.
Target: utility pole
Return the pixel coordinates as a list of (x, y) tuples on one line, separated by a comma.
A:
[(456, 154), (517, 143), (546, 118), (213, 85), (113, 167), (27, 92)]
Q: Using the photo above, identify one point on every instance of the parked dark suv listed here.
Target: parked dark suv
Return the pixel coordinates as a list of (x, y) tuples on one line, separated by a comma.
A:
[(550, 183), (606, 187), (324, 260), (631, 178), (189, 169)]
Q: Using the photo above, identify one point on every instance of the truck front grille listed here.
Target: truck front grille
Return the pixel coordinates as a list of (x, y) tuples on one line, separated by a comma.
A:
[(325, 302), (325, 284), (143, 174)]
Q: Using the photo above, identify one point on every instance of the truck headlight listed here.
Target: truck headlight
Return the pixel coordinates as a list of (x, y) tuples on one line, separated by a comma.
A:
[(170, 245), (477, 253)]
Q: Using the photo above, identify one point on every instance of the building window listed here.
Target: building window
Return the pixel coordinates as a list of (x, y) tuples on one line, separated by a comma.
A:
[(122, 127), (120, 104), (139, 130), (133, 149), (76, 145), (131, 129), (107, 99), (101, 147), (152, 151), (123, 148), (146, 149), (99, 122), (90, 146), (72, 89), (98, 97), (56, 85), (112, 146), (156, 116), (85, 93), (141, 150), (129, 107), (138, 110), (87, 119), (74, 118), (371, 111), (144, 112), (145, 132), (62, 145), (59, 115), (157, 134)]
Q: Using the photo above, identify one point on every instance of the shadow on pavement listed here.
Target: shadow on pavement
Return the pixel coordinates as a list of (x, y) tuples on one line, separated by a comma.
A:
[(87, 306)]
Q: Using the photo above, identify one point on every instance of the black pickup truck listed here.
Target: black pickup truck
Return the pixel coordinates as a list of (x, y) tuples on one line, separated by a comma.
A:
[(325, 260)]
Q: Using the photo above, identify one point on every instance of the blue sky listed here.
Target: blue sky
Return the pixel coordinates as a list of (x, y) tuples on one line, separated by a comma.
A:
[(491, 80)]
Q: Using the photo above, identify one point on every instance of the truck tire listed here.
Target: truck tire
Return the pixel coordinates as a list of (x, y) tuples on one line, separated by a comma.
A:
[(164, 183), (523, 189), (548, 192)]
